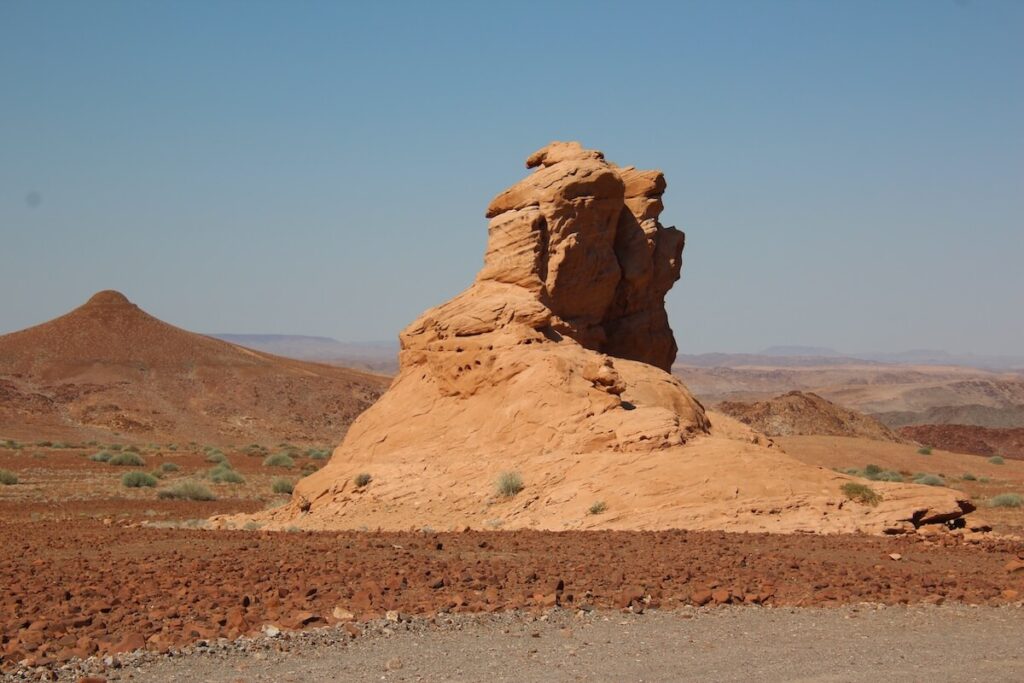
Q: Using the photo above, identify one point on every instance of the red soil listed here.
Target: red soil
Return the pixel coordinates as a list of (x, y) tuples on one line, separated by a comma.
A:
[(77, 590)]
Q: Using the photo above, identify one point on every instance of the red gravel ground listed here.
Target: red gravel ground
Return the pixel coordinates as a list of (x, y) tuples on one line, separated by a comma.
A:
[(73, 590)]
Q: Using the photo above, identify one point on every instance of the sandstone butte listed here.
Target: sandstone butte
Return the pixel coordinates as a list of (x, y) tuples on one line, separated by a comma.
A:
[(555, 364)]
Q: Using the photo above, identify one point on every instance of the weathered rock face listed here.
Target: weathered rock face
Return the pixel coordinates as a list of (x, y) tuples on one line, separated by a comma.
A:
[(562, 339), (576, 263), (581, 236), (553, 364)]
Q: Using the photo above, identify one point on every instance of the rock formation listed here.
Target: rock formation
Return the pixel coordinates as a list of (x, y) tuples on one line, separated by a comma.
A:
[(553, 364), (581, 237)]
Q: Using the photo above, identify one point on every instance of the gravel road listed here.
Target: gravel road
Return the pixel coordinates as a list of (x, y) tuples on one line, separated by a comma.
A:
[(866, 643)]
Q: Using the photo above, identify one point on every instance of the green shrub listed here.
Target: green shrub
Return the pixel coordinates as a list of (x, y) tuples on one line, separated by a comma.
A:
[(187, 490), (44, 444), (876, 473), (12, 444), (861, 493), (318, 453), (924, 450), (216, 456), (8, 478), (169, 467), (509, 484), (131, 449), (983, 480), (158, 473), (996, 460), (969, 477), (115, 447), (279, 460), (102, 456), (222, 474), (134, 480), (597, 508), (1007, 500), (929, 480), (127, 460), (362, 479), (280, 485)]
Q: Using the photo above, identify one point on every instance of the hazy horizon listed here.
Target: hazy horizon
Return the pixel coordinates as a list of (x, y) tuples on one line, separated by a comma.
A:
[(849, 176)]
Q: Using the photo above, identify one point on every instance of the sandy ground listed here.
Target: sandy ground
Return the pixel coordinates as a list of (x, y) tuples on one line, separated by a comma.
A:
[(730, 644)]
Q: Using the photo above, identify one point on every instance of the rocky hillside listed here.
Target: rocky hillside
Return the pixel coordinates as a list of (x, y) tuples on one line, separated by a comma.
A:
[(972, 439), (805, 414), (109, 370)]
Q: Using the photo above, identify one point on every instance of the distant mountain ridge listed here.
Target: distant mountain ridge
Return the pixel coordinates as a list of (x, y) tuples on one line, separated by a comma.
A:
[(815, 356), (376, 356), (382, 356)]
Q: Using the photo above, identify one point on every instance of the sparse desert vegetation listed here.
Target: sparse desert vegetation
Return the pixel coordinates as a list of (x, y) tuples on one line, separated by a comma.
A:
[(929, 479), (134, 480), (187, 490), (874, 473), (1006, 500), (216, 456), (126, 459), (924, 450), (997, 460), (597, 508), (280, 485), (8, 478), (509, 484), (362, 479), (224, 474), (861, 493), (279, 460)]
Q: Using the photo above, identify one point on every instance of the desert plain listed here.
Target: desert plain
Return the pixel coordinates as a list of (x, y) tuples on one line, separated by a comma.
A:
[(541, 472)]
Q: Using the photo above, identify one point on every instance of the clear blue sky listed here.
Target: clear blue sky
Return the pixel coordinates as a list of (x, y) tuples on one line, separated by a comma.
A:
[(849, 174)]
